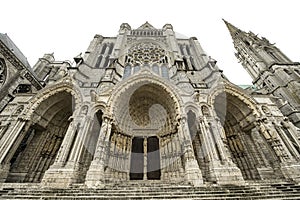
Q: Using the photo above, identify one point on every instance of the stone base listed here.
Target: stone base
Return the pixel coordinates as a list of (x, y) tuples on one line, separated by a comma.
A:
[(95, 176), (193, 174), (227, 173), (4, 170), (291, 172), (176, 176), (266, 173), (59, 178)]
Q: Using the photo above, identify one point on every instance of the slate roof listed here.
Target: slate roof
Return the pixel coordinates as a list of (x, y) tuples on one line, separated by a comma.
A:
[(11, 45)]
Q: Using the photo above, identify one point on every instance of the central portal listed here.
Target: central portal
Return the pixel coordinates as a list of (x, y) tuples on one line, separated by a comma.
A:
[(146, 114), (145, 159)]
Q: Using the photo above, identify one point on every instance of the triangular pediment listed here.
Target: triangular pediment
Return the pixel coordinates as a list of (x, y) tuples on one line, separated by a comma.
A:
[(147, 25)]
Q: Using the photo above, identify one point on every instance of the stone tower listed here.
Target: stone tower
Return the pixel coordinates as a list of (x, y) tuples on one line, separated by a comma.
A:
[(148, 104), (271, 70)]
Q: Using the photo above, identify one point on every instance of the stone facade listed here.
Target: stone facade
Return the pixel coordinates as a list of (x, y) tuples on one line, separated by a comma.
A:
[(147, 104)]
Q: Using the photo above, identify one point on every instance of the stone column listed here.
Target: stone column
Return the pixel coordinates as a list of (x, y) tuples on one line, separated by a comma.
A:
[(192, 171), (72, 148), (145, 159), (65, 148), (266, 154), (290, 167), (223, 170), (128, 156), (274, 140), (287, 141), (79, 143), (123, 157), (163, 157), (95, 174), (221, 138), (176, 159), (208, 140), (7, 143), (57, 175), (8, 139), (207, 148)]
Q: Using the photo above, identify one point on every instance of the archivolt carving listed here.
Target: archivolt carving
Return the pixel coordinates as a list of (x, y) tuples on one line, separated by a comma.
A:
[(2, 72), (138, 80), (49, 91), (234, 92), (141, 99)]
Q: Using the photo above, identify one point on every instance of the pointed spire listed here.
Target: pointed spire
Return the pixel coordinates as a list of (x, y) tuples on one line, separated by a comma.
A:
[(232, 29)]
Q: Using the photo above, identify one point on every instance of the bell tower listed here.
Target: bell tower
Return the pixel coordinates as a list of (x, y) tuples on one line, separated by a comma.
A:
[(271, 70)]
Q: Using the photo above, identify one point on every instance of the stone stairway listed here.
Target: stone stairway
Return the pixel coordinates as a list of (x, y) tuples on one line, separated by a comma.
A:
[(153, 190)]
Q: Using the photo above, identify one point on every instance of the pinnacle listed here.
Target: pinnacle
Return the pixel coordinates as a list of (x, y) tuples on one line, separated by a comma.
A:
[(232, 29)]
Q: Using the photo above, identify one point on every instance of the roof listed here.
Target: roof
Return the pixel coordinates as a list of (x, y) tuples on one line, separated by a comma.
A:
[(18, 55), (15, 50)]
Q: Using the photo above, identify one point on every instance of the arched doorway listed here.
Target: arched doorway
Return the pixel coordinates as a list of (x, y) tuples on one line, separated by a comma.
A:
[(40, 143), (144, 143), (237, 119), (145, 159)]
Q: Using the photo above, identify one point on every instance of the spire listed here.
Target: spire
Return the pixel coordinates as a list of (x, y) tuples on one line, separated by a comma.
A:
[(232, 29)]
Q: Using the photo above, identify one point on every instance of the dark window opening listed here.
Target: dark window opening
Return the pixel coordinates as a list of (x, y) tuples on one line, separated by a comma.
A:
[(23, 88)]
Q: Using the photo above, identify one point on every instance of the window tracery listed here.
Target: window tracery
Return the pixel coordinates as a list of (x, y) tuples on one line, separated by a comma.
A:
[(146, 53)]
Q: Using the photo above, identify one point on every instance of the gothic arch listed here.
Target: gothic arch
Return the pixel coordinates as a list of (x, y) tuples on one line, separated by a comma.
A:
[(234, 91), (50, 91), (47, 119), (137, 81), (98, 106), (237, 113), (193, 107), (133, 106)]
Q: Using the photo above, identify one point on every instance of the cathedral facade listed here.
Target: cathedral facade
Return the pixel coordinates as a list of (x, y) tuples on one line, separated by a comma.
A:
[(148, 104)]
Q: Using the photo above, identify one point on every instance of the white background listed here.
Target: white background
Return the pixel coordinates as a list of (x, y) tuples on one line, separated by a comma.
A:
[(67, 27)]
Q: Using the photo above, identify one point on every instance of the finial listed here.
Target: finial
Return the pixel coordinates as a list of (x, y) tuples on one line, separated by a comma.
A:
[(232, 29)]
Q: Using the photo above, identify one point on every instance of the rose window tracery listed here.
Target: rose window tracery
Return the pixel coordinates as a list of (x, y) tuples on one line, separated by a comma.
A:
[(146, 53)]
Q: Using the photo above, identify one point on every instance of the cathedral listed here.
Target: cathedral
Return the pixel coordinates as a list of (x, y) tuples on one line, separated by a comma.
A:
[(149, 105)]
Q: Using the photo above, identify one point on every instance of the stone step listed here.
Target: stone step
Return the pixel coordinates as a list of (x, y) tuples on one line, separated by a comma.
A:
[(154, 197), (111, 191), (116, 195), (144, 190)]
